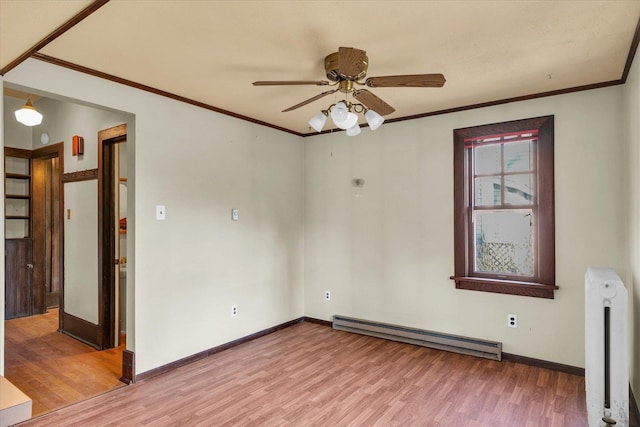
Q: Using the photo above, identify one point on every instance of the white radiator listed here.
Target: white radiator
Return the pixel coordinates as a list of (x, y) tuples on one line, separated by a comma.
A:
[(606, 348)]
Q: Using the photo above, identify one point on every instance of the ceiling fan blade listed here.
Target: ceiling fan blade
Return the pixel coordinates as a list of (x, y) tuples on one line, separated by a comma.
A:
[(291, 82), (310, 100), (373, 102), (409, 80), (351, 61)]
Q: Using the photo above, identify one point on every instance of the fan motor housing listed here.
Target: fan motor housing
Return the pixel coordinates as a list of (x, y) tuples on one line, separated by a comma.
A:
[(332, 67)]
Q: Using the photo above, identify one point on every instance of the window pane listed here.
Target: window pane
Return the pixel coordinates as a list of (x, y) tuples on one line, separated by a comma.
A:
[(487, 159), (504, 242), (487, 191), (518, 156), (518, 189)]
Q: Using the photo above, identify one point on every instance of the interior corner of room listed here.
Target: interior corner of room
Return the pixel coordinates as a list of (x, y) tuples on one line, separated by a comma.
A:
[(147, 231)]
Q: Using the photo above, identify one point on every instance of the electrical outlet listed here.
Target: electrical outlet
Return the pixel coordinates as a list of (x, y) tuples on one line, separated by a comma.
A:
[(512, 320), (327, 295), (234, 310)]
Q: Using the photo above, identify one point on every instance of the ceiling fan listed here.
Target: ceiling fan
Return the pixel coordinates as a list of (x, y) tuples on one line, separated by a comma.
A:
[(346, 69)]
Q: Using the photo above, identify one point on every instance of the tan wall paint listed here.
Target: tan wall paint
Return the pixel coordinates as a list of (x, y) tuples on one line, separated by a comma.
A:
[(190, 269), (388, 254), (81, 250), (632, 181), (61, 121)]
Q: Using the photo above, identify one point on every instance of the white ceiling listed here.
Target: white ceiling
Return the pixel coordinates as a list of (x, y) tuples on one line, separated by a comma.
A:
[(211, 51)]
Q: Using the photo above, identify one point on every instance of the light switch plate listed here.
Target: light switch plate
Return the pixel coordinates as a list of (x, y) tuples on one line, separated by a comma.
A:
[(161, 213), (234, 214)]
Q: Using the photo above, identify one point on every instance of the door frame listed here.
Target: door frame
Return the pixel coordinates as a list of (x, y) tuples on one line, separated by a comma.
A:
[(107, 140), (44, 153)]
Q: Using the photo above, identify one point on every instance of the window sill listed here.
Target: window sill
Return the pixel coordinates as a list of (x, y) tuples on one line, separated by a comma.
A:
[(509, 287)]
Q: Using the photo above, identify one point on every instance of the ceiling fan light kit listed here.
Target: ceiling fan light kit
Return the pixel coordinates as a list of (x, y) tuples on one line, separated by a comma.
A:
[(342, 117), (354, 130), (345, 69), (28, 115), (374, 120), (317, 122)]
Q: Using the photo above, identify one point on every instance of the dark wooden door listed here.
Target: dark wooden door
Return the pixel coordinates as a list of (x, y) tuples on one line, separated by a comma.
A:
[(47, 223), (18, 278)]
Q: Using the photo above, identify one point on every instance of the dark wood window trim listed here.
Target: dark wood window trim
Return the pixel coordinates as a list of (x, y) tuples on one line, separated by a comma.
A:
[(542, 284)]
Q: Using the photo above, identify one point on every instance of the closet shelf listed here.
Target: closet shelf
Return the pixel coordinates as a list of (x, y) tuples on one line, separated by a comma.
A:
[(17, 175)]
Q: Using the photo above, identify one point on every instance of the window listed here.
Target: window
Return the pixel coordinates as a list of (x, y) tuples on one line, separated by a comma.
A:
[(504, 236)]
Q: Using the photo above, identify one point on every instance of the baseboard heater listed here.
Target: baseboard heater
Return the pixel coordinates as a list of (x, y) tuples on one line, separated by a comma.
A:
[(424, 338)]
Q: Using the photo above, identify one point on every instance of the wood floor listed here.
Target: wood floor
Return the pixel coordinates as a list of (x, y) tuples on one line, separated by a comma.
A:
[(53, 369), (312, 375)]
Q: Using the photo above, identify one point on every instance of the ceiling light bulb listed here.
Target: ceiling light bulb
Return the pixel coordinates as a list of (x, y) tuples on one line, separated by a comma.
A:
[(373, 119), (28, 115), (354, 130), (317, 122)]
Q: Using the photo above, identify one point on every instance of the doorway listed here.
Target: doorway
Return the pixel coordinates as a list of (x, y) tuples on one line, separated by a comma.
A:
[(111, 237), (33, 230), (47, 213)]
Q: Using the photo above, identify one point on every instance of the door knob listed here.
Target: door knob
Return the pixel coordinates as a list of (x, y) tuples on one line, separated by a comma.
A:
[(30, 266)]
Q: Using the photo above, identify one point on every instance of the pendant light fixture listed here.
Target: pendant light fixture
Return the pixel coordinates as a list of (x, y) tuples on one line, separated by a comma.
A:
[(28, 115)]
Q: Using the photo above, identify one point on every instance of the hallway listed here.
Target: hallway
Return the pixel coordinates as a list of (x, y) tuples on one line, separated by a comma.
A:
[(54, 369)]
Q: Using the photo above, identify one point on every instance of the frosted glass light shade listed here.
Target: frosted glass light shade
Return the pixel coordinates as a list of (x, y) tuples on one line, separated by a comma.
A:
[(28, 115), (339, 112), (354, 130), (317, 122), (350, 121), (374, 119)]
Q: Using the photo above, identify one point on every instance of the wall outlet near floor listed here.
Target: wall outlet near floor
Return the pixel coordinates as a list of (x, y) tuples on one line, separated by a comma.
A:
[(512, 320), (234, 310), (327, 295)]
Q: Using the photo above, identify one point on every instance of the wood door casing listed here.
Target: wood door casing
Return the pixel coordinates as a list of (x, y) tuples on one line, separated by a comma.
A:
[(46, 228), (107, 228), (47, 224)]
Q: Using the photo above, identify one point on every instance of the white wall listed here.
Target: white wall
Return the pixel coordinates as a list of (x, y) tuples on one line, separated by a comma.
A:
[(190, 269), (64, 119), (632, 180), (388, 254), (61, 121), (81, 250)]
